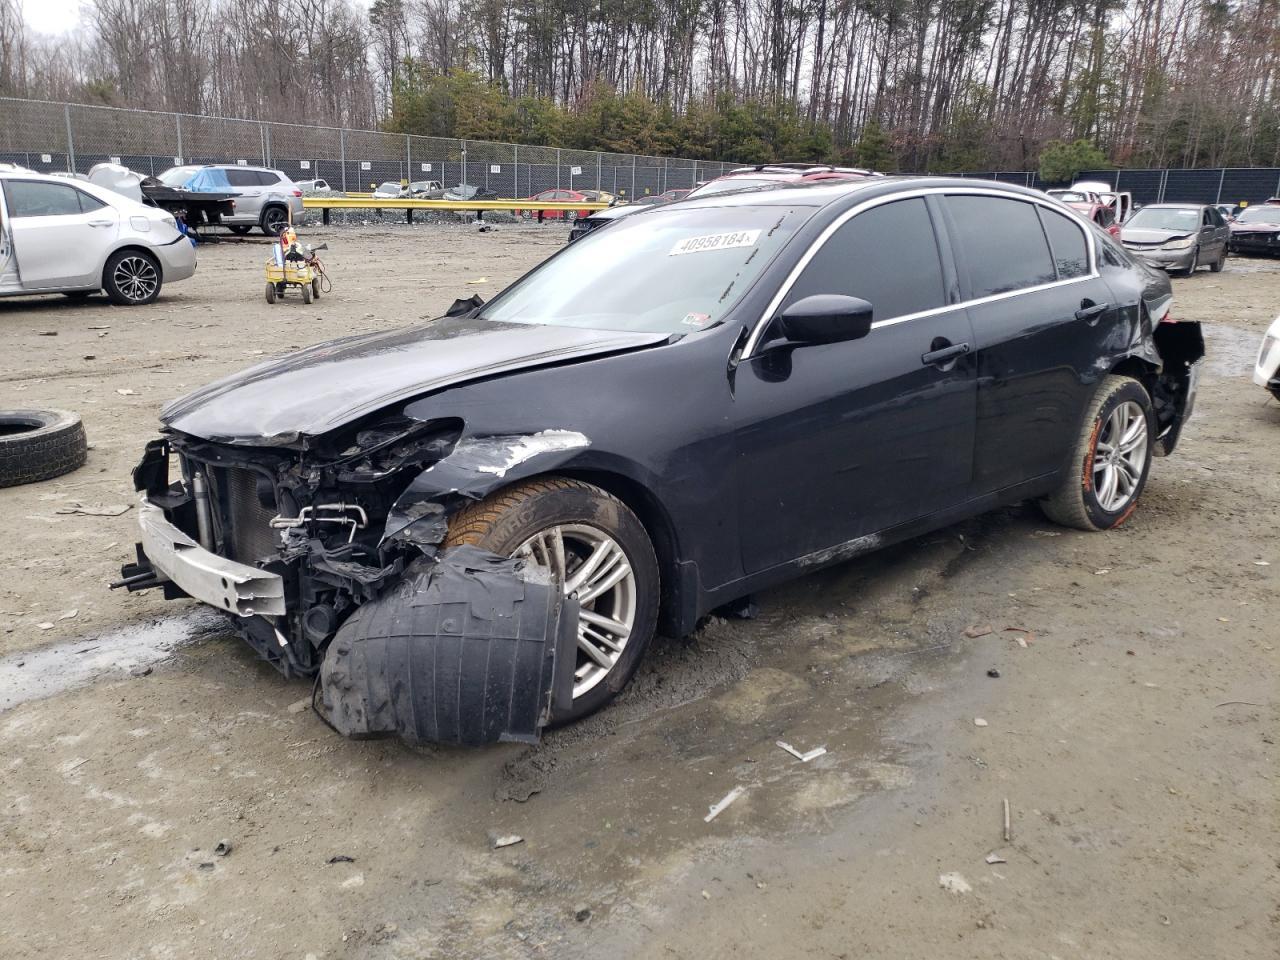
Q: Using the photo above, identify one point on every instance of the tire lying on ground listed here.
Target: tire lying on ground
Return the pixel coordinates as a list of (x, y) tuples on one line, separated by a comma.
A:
[(39, 444)]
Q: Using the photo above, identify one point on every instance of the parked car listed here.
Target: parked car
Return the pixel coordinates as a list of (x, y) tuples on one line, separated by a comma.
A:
[(265, 198), (1228, 210), (314, 186), (426, 189), (1178, 236), (599, 196), (76, 238), (1090, 206), (779, 380), (391, 190), (465, 191), (557, 196), (1256, 229), (1266, 369)]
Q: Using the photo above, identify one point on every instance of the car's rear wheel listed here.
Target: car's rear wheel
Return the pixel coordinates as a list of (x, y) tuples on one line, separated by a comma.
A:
[(1110, 461), (239, 229), (599, 552), (131, 278), (274, 220)]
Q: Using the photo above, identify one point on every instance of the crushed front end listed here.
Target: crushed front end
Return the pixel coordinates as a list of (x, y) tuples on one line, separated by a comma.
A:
[(291, 541)]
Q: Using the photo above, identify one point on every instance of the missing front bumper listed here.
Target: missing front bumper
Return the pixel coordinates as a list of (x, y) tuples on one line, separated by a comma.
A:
[(219, 582)]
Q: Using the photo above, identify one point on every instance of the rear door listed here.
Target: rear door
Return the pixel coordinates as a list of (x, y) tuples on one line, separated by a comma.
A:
[(1214, 235), (8, 263), (247, 186), (60, 235), (838, 441), (1041, 318)]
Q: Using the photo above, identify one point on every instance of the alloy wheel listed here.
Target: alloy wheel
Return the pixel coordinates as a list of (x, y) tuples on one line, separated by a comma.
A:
[(136, 278), (593, 568), (1120, 457)]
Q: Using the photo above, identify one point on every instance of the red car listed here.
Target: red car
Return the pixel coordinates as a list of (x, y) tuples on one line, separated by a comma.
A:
[(1091, 206), (558, 196)]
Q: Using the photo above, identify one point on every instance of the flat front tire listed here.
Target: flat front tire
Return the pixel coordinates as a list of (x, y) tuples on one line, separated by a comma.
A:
[(1110, 459), (599, 552)]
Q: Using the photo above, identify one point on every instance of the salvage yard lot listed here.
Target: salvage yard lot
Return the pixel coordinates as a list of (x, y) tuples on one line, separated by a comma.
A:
[(1132, 726)]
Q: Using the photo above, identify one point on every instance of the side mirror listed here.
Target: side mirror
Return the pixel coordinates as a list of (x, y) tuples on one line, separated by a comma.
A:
[(826, 318)]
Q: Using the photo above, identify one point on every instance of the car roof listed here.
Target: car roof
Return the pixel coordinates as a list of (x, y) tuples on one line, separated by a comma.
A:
[(820, 192)]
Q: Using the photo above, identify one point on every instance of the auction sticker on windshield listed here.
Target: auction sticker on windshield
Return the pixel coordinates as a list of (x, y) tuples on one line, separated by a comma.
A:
[(715, 241)]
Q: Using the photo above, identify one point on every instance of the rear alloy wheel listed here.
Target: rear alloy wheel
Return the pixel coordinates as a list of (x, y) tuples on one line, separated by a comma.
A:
[(131, 278), (597, 549), (1112, 457), (274, 219)]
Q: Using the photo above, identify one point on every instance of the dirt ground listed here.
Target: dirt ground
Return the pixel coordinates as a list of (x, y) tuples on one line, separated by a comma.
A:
[(1132, 726)]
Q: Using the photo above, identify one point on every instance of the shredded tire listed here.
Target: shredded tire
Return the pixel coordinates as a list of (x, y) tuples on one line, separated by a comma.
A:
[(39, 445), (1074, 504), (507, 518)]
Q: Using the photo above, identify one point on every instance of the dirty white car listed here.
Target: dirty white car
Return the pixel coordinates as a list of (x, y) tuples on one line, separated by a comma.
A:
[(1266, 370), (75, 238)]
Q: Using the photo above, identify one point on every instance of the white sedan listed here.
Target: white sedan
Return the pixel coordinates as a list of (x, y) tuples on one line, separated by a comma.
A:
[(72, 237), (1266, 369)]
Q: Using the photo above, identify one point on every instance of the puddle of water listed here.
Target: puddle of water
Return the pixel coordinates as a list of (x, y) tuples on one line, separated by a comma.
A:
[(42, 673), (1230, 351)]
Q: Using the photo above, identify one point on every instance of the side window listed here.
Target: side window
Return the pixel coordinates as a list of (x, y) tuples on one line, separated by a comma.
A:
[(243, 178), (32, 198), (1002, 244), (88, 204), (887, 255), (1067, 244), (1215, 217), (266, 178), (1205, 219), (1110, 253)]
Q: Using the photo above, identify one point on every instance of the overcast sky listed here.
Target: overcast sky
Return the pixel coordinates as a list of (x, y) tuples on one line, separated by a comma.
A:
[(62, 16)]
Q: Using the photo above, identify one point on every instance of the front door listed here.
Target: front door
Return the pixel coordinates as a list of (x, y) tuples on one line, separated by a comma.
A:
[(60, 235), (837, 442)]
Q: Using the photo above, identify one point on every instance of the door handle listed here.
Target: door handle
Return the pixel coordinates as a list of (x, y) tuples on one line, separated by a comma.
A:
[(1091, 311), (99, 223), (943, 354)]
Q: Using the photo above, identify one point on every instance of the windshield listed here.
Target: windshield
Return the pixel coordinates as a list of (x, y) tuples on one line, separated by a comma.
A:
[(732, 183), (388, 187), (1179, 219), (176, 176), (1269, 213), (672, 270)]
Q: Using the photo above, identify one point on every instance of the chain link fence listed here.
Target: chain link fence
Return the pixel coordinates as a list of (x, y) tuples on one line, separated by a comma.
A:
[(47, 136), (1212, 185)]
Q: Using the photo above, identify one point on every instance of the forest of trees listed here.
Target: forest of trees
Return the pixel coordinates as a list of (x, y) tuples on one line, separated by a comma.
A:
[(895, 84)]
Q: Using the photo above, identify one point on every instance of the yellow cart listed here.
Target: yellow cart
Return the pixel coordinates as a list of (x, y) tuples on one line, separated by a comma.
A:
[(298, 273)]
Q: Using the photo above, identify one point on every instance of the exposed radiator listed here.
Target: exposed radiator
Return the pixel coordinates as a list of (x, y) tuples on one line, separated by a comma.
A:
[(246, 522)]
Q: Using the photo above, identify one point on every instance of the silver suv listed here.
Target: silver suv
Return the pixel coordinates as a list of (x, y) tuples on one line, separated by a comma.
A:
[(265, 198)]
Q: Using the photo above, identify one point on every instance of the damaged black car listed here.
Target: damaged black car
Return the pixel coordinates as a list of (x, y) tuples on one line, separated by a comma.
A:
[(473, 527)]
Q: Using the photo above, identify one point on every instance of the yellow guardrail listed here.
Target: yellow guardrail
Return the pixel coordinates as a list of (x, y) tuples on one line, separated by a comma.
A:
[(409, 205)]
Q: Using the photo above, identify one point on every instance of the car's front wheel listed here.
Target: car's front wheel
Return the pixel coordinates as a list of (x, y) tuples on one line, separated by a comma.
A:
[(131, 278), (599, 552), (1110, 460)]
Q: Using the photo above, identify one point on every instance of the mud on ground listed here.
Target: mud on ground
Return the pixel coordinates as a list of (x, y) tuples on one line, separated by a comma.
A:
[(1134, 734)]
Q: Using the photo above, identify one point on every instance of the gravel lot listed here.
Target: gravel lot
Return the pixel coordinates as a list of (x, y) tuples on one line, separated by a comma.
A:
[(1134, 734)]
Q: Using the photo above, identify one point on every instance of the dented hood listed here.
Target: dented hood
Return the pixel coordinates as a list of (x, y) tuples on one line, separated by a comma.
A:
[(315, 390)]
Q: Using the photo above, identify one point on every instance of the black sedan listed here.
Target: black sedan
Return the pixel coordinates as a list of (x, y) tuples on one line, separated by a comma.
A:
[(709, 398)]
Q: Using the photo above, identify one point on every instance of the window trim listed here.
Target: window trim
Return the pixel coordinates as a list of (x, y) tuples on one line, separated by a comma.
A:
[(756, 337)]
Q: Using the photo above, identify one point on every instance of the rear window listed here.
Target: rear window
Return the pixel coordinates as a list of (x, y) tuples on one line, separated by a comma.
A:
[(1067, 243), (1002, 244)]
